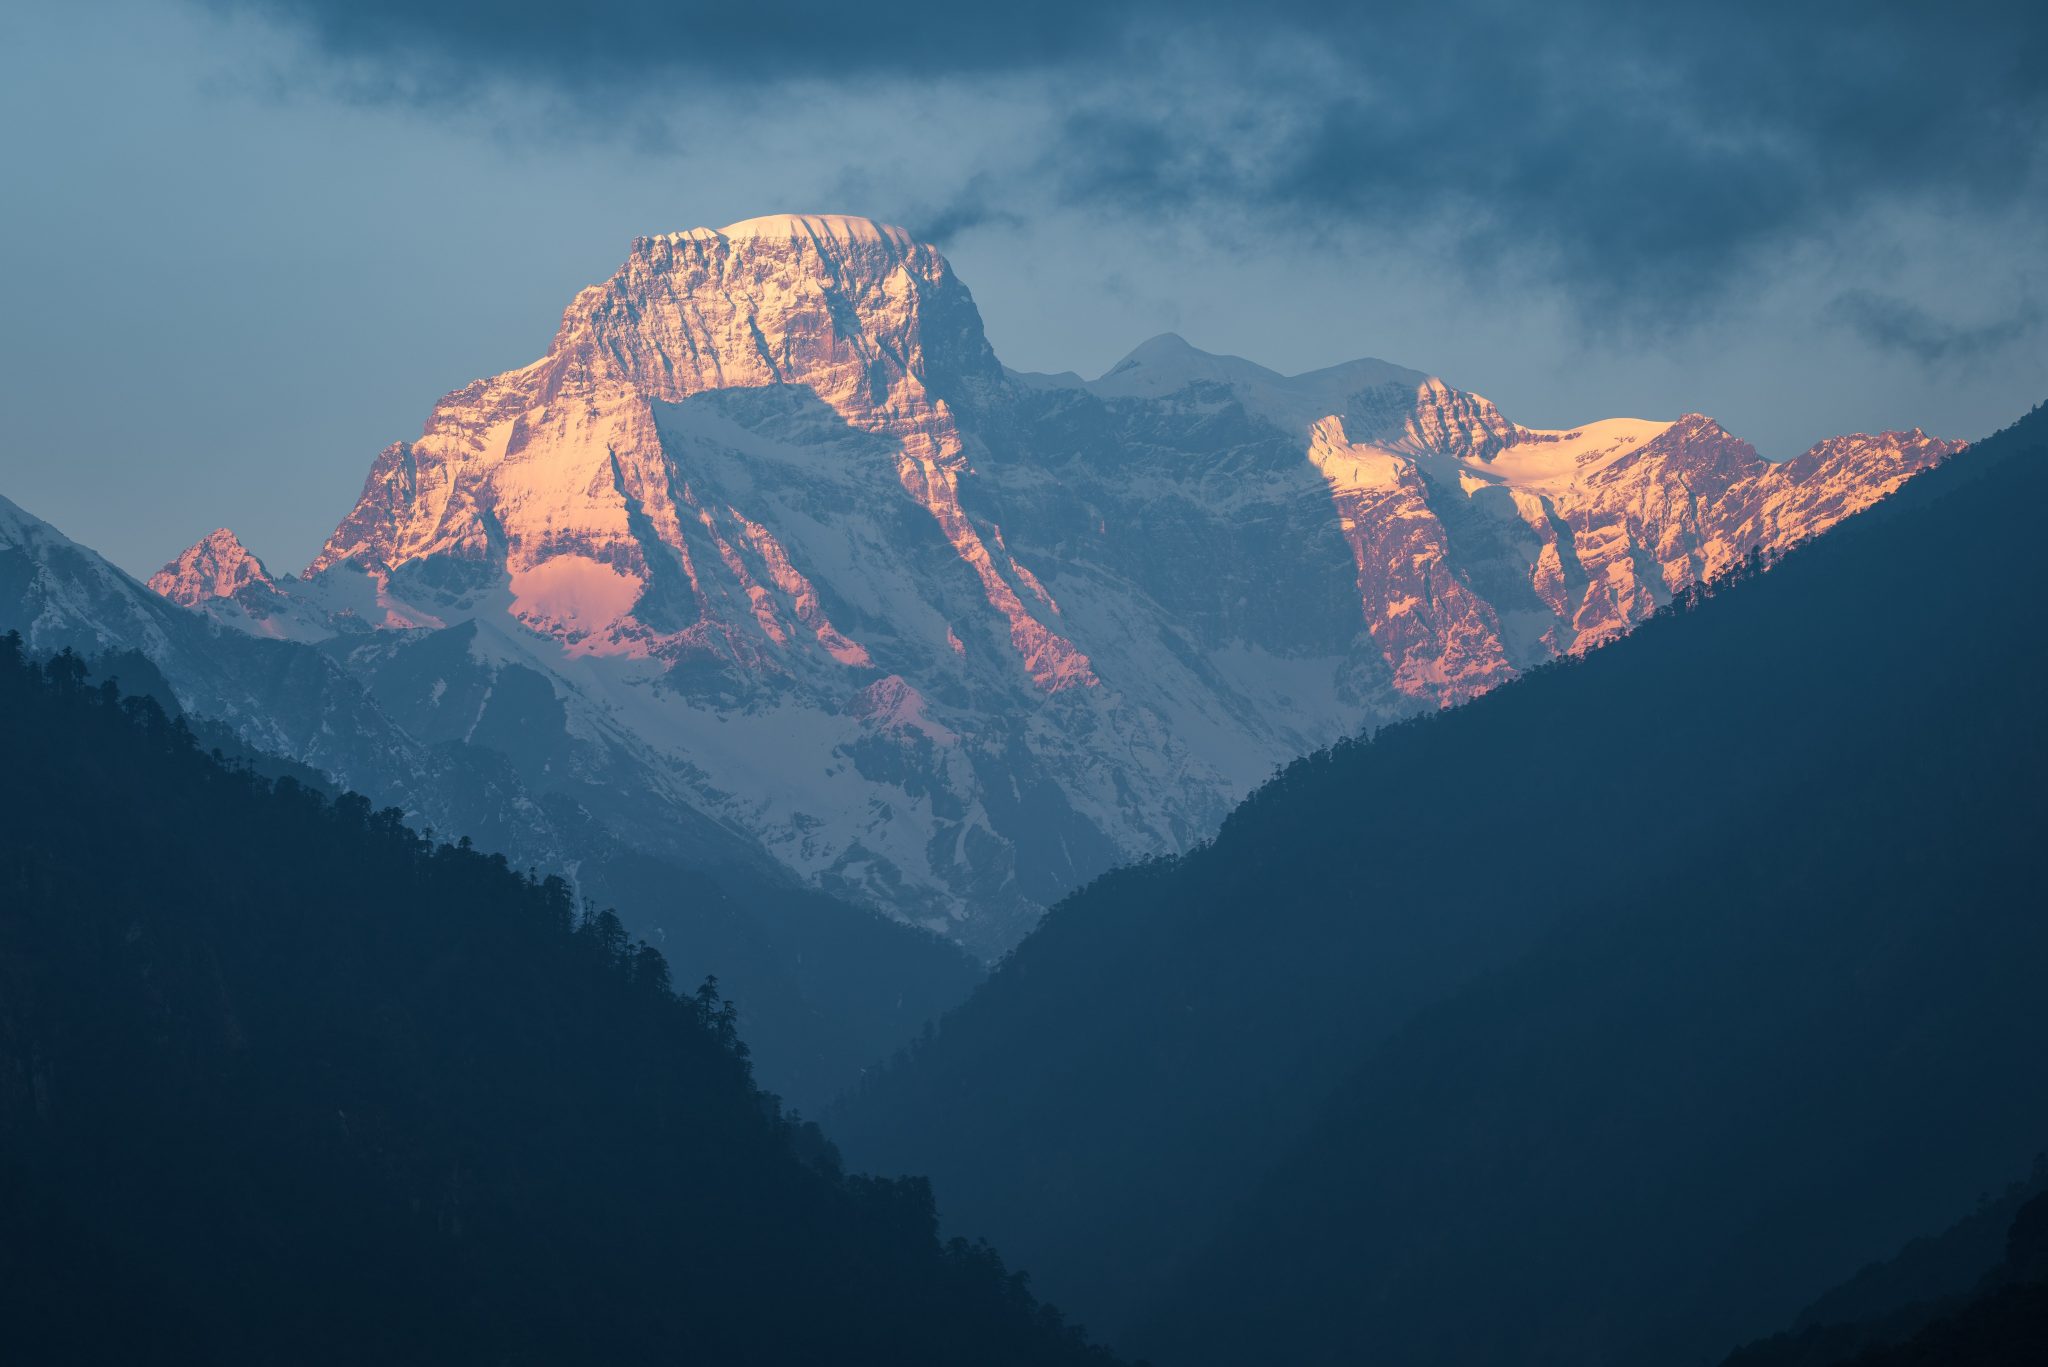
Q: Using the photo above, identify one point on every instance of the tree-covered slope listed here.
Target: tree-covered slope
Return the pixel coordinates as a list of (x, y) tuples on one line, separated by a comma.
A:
[(2004, 1241), (282, 1082), (2005, 1324), (1571, 1024)]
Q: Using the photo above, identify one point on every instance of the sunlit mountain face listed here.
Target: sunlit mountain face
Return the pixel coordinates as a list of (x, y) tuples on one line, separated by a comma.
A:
[(797, 554)]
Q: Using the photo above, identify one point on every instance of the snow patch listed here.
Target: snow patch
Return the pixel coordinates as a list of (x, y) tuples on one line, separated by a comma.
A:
[(1552, 462), (841, 229), (574, 597), (1352, 467)]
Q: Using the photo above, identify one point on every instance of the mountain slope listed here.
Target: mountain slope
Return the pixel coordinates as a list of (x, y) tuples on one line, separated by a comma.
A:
[(803, 562), (2003, 1328), (1888, 1303), (281, 1081), (467, 741), (2003, 1324), (1429, 1013)]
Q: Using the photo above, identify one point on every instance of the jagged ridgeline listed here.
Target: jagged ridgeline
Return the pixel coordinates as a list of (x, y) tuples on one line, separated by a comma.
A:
[(798, 562), (1605, 1020), (281, 1081)]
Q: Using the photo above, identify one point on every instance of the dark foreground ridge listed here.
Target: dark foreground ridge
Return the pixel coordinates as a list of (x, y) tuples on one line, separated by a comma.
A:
[(280, 1081), (1974, 1295)]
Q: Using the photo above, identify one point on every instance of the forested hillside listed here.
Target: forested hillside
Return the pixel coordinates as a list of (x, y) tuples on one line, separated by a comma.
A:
[(281, 1081), (2002, 1243), (1607, 1019), (2004, 1324)]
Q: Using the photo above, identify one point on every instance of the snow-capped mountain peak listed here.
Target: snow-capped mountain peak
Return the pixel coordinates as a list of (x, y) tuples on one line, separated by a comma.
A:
[(218, 565), (793, 549)]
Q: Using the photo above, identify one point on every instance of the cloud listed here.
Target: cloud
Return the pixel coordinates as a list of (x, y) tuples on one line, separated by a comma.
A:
[(595, 45), (1649, 162), (1891, 323)]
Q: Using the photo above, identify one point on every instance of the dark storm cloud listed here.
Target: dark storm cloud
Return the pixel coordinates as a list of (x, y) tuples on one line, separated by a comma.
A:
[(1895, 324), (1643, 158), (592, 46)]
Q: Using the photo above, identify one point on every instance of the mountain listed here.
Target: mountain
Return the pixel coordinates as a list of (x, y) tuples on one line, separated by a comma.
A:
[(218, 566), (826, 987), (220, 575), (1890, 1303), (802, 562), (1606, 1019), (281, 1081)]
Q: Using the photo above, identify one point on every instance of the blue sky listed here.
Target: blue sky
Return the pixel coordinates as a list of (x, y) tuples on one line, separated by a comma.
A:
[(249, 242)]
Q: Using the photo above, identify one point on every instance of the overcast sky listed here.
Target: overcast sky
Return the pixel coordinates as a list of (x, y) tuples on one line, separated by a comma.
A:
[(248, 243)]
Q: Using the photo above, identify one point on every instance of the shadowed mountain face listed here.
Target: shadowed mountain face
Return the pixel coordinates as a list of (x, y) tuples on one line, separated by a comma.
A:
[(800, 561), (1607, 1019)]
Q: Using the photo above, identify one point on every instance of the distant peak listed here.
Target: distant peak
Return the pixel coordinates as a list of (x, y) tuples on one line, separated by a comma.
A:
[(1166, 344), (1693, 425), (217, 565), (1170, 360)]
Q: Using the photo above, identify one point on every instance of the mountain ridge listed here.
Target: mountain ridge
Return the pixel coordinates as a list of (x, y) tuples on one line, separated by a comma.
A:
[(767, 475)]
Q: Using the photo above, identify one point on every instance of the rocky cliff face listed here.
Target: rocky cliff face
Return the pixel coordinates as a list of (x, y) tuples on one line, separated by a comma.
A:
[(217, 566), (798, 558)]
